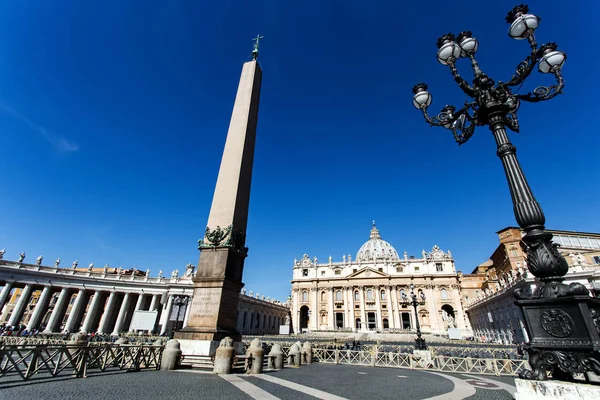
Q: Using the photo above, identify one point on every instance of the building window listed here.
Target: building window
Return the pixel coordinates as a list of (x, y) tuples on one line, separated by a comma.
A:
[(338, 271), (369, 294), (305, 296), (304, 272), (444, 294), (399, 269), (439, 267), (338, 295), (596, 259), (356, 296), (386, 324), (383, 295), (416, 269), (322, 296), (353, 270), (380, 269), (322, 273)]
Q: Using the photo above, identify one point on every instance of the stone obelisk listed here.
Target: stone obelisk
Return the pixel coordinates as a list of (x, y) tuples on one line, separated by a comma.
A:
[(218, 279)]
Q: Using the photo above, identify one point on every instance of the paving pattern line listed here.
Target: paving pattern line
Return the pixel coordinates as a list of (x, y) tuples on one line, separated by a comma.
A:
[(462, 389), (319, 394), (251, 390), (509, 388)]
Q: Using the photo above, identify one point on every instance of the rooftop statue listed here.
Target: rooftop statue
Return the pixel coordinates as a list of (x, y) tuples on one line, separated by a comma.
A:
[(2, 253), (21, 257), (38, 261), (57, 263)]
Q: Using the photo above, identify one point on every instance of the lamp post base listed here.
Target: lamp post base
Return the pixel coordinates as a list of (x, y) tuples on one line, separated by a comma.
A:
[(420, 344)]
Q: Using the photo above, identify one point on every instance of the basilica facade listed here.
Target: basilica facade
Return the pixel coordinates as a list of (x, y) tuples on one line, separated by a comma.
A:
[(372, 292)]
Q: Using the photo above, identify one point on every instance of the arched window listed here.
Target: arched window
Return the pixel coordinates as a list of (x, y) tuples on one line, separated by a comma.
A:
[(356, 296), (383, 295), (338, 295), (322, 296), (305, 296), (444, 294), (369, 294)]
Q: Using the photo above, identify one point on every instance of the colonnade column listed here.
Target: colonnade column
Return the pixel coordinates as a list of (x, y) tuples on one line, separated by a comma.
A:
[(388, 292), (39, 309), (154, 303), (89, 318), (75, 310), (167, 314), (188, 308), (105, 320), (122, 313), (314, 321), (4, 294), (138, 306), (17, 313), (56, 315)]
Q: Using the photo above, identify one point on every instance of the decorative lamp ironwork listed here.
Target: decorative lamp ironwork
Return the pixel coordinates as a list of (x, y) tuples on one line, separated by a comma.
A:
[(562, 321)]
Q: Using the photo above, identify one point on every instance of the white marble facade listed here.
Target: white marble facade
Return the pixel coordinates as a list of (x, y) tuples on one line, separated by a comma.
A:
[(365, 293)]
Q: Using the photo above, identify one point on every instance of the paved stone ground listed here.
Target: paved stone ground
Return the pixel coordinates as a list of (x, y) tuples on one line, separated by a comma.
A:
[(324, 381)]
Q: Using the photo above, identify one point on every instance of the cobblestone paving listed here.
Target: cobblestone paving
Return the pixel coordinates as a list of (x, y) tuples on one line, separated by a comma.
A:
[(323, 381)]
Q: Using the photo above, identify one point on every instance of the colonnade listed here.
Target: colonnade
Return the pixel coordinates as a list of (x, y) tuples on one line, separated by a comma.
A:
[(65, 309)]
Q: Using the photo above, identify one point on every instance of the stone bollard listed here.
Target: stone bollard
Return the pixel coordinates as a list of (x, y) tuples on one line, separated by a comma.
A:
[(294, 355), (307, 353), (77, 339), (121, 340), (337, 356), (224, 357), (171, 356), (256, 352), (278, 359)]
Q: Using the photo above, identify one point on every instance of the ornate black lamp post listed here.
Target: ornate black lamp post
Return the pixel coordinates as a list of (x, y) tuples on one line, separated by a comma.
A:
[(415, 301), (562, 320), (179, 301)]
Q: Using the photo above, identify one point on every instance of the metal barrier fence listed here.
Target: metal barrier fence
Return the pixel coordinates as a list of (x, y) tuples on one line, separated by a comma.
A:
[(374, 358), (24, 361)]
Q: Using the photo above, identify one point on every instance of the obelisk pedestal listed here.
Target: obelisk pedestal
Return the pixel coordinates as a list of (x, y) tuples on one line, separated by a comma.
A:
[(218, 280)]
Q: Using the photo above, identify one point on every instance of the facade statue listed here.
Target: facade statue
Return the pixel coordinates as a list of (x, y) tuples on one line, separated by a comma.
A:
[(120, 270), (105, 268), (160, 274), (287, 320), (451, 322), (90, 267), (330, 260), (57, 263), (38, 261), (349, 258), (581, 259), (2, 253), (175, 274), (257, 295), (344, 258), (424, 254), (21, 257), (250, 293), (244, 291), (75, 264), (148, 272)]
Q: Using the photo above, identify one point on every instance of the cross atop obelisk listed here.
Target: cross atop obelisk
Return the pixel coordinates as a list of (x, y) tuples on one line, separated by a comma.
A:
[(218, 280)]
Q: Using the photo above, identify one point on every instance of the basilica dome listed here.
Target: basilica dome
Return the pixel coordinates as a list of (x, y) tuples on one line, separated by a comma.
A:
[(376, 249)]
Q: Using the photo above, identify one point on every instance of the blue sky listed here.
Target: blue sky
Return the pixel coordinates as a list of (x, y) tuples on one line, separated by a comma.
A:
[(113, 117)]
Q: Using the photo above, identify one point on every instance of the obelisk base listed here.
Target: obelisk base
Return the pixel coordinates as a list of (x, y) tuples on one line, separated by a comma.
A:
[(205, 347)]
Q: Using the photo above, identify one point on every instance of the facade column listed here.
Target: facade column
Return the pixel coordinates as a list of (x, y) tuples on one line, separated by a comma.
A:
[(395, 310), (103, 326), (92, 311), (17, 313), (314, 318), (5, 293), (378, 307), (188, 308), (57, 313), (331, 319), (388, 293), (138, 306), (122, 313), (349, 308), (167, 314), (363, 313), (75, 311), (39, 309), (154, 303)]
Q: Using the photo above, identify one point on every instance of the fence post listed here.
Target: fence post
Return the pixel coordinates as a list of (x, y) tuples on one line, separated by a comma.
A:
[(374, 356), (336, 356)]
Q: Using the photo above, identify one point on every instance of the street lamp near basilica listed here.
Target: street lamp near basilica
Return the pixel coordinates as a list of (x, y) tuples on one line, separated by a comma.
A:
[(415, 301), (562, 321), (179, 302)]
